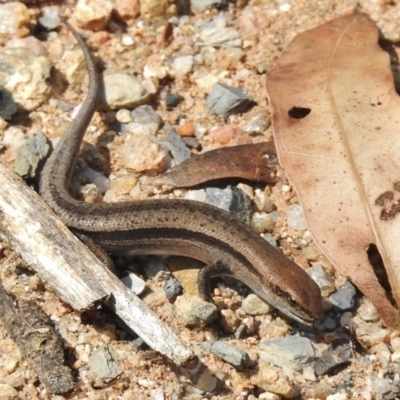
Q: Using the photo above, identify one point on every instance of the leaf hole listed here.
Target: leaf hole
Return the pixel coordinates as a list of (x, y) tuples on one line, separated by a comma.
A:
[(376, 262), (299, 112)]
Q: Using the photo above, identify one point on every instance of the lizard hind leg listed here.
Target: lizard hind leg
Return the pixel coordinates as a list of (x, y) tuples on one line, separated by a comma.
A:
[(208, 272)]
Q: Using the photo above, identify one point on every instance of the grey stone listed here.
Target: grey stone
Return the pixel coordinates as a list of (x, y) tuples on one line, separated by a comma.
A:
[(172, 100), (220, 37), (329, 324), (192, 311), (157, 394), (270, 239), (8, 107), (257, 124), (230, 354), (295, 217), (226, 100), (339, 353), (104, 363), (344, 297), (173, 288), (206, 382), (26, 75), (30, 154), (253, 305), (291, 351), (383, 388), (324, 280), (134, 283), (230, 199), (145, 114), (175, 144), (123, 91), (50, 18)]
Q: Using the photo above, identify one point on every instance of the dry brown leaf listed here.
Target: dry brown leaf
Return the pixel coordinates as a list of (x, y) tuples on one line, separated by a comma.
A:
[(254, 162), (337, 131)]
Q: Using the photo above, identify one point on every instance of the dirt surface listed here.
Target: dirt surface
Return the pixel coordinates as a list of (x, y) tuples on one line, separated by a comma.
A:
[(264, 28)]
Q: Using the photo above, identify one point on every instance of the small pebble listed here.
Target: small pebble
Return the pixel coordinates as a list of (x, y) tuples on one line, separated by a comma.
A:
[(295, 217), (123, 91), (30, 155), (14, 19), (289, 352), (157, 394), (262, 222), (143, 153), (274, 380), (173, 288), (228, 134), (329, 324), (253, 305), (134, 283), (367, 312), (226, 100), (268, 396), (172, 100), (191, 311), (122, 185), (382, 388), (123, 116), (8, 107), (92, 14), (206, 82), (103, 363), (229, 320), (220, 37), (257, 124), (231, 354), (344, 297), (309, 374), (175, 144), (322, 278), (140, 129), (157, 10), (26, 76), (127, 9), (338, 354), (272, 241), (181, 66), (197, 195), (186, 129), (102, 182), (370, 335), (262, 201), (206, 382), (230, 199), (319, 390), (127, 40), (146, 115), (50, 18)]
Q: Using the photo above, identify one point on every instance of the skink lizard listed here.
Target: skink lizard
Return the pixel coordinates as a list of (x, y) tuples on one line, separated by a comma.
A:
[(226, 245)]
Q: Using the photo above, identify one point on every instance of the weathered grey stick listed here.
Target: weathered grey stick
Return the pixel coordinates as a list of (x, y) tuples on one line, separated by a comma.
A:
[(64, 263), (34, 333)]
